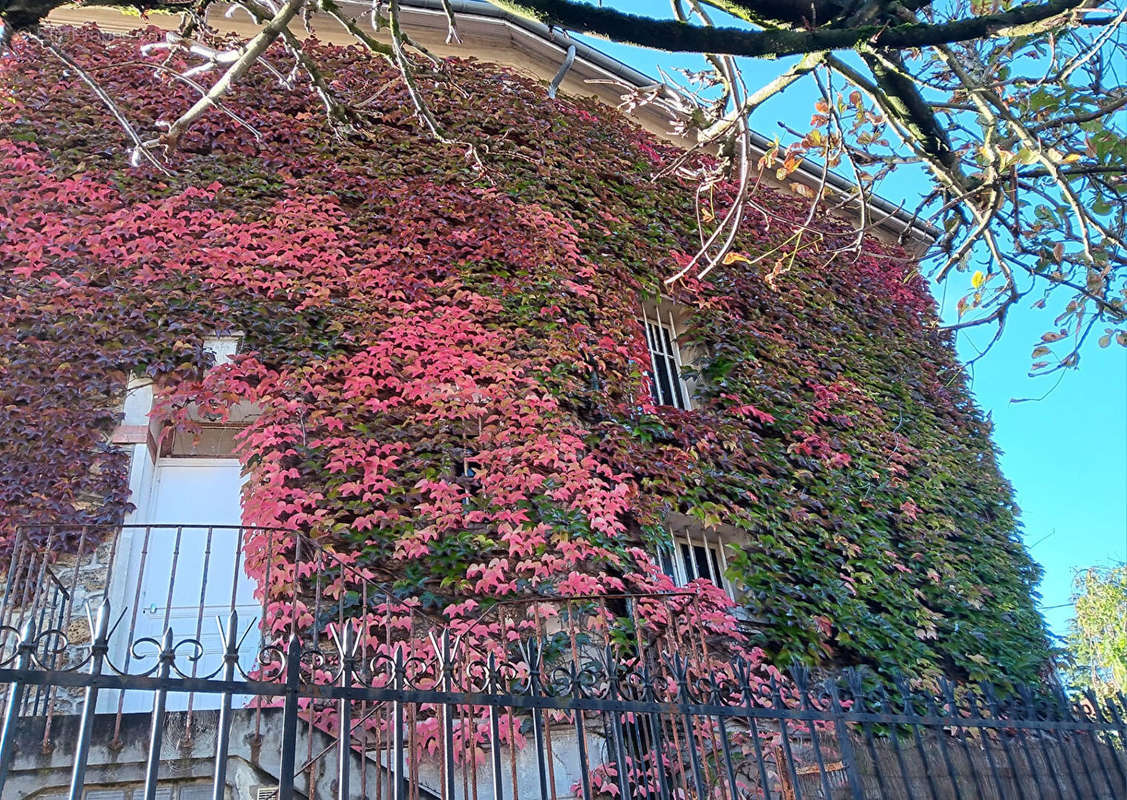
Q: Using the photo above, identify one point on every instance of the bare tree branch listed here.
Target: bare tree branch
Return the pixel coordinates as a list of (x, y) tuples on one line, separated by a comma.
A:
[(251, 53), (680, 37), (140, 149)]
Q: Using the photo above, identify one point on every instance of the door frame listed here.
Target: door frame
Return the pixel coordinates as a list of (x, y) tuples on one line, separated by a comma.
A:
[(145, 475)]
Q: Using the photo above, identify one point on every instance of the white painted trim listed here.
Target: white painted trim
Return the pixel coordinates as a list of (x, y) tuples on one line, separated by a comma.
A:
[(716, 543), (224, 348), (190, 461)]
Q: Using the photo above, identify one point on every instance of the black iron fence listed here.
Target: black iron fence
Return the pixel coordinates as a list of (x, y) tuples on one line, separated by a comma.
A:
[(335, 689)]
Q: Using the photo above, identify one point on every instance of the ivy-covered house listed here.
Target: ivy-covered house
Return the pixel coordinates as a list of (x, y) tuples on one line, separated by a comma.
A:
[(472, 381), (794, 429)]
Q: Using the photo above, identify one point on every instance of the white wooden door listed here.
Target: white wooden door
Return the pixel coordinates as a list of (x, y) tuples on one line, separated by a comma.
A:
[(185, 570)]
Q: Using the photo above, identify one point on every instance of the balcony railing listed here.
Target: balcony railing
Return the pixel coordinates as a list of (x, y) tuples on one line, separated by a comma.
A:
[(228, 599), (278, 583)]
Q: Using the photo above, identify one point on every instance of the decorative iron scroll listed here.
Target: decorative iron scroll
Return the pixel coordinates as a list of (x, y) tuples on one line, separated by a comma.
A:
[(646, 716)]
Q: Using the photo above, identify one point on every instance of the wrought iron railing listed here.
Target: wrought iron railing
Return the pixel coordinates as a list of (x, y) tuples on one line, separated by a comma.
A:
[(195, 581), (331, 686), (591, 726), (280, 581)]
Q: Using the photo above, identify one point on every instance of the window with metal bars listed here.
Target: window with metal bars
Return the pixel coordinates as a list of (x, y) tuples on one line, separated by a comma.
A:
[(694, 557), (668, 387)]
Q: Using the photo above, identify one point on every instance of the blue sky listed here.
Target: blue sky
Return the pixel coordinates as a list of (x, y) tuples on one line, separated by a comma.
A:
[(1066, 454)]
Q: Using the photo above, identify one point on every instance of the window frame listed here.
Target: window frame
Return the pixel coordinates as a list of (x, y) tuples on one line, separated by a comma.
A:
[(675, 564), (223, 347), (668, 349), (171, 439)]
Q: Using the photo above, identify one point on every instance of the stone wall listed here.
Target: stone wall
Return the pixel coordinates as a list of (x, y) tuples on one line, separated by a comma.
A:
[(60, 594)]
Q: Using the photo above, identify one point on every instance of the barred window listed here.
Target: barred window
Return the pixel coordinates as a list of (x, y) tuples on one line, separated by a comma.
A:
[(668, 387), (694, 557)]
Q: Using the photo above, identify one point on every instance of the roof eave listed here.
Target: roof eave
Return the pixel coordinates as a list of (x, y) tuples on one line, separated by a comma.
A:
[(892, 217)]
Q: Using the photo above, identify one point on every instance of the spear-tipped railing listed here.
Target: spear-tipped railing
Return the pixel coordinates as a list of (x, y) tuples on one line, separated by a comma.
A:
[(538, 698), (227, 599)]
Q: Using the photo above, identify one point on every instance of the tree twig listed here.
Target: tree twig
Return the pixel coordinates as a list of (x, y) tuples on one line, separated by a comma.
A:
[(252, 51), (140, 149)]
